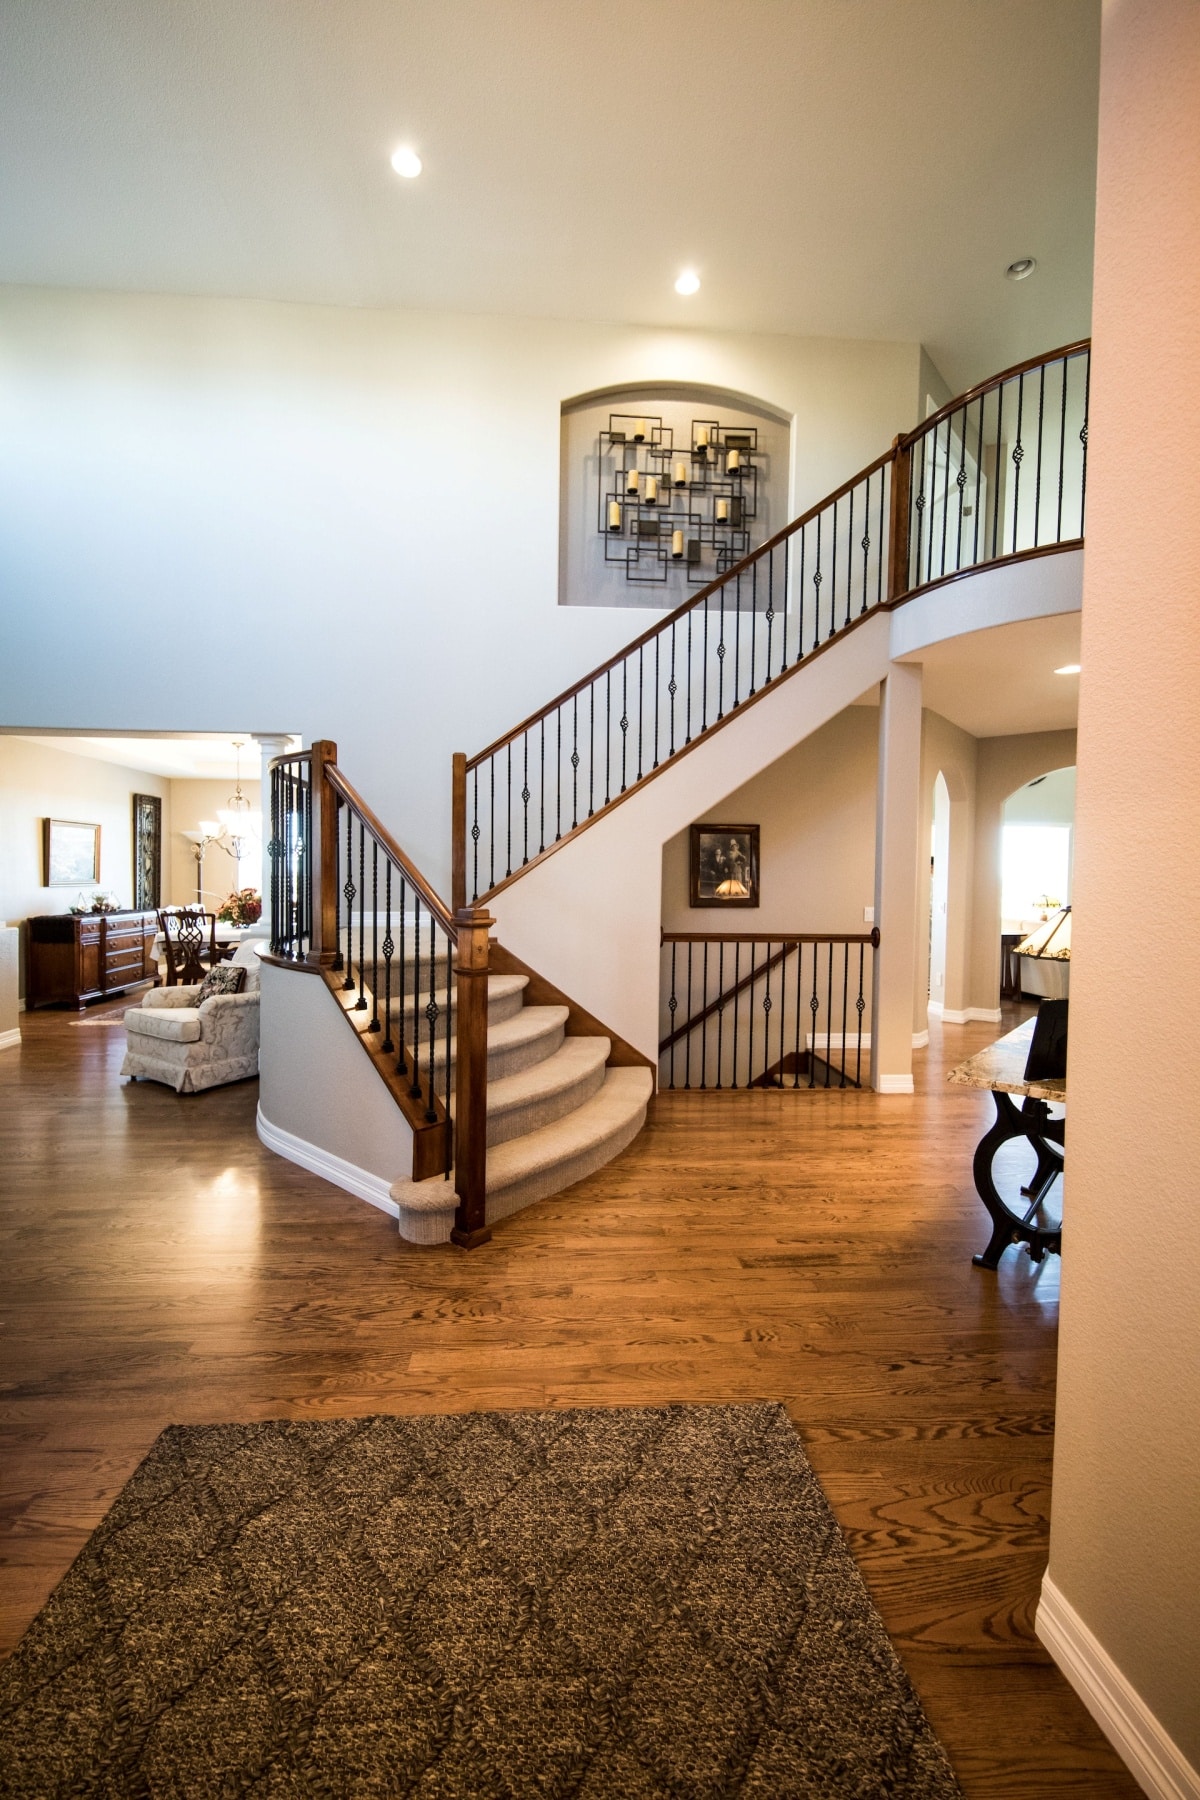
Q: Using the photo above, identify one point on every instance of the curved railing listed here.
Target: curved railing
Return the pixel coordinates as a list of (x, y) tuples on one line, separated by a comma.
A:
[(951, 496)]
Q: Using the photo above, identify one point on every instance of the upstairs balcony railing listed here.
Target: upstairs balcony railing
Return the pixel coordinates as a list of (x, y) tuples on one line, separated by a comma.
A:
[(1001, 472)]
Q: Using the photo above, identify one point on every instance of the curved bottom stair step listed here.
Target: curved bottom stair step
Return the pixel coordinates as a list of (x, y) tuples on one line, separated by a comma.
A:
[(538, 1164)]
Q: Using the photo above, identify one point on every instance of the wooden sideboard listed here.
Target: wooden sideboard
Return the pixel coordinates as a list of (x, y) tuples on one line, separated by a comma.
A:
[(77, 957)]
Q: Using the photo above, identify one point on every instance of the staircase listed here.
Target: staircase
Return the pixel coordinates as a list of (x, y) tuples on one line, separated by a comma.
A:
[(555, 1111), (511, 1090)]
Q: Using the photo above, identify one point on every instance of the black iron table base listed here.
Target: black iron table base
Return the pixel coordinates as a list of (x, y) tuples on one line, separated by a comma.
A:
[(1010, 1226)]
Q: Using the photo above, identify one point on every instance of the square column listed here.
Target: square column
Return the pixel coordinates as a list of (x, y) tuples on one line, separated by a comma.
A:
[(897, 861)]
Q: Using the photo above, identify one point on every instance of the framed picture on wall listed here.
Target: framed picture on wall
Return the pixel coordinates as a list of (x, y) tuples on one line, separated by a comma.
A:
[(147, 852), (724, 865), (70, 853)]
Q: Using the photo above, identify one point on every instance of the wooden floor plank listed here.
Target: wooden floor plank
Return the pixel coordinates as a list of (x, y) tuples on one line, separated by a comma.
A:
[(160, 1266)]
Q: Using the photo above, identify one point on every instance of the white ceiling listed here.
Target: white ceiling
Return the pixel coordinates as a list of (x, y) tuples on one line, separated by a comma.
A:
[(1000, 682), (856, 168), (205, 757)]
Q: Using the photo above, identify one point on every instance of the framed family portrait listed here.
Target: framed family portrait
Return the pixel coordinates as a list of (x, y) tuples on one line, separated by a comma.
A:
[(724, 865), (71, 853)]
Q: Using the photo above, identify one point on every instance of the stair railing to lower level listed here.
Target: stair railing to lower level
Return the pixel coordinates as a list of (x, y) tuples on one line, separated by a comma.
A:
[(347, 902), (1000, 472), (750, 1010)]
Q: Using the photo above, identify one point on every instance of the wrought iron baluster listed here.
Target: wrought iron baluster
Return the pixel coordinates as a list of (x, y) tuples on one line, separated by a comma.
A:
[(767, 1005), (508, 810), (574, 761), (770, 613), (1018, 456), (607, 736), (829, 1016), (558, 776), (704, 1021), (688, 721), (525, 798), (818, 577), (360, 1005), (720, 1007), (737, 639), (542, 789), (787, 604), (1062, 450), (860, 1008), (721, 658), (960, 482), (754, 623), (641, 689), (849, 552), (916, 502), (374, 1023), (415, 1085), (1037, 481), (475, 834), (833, 532), (879, 560), (432, 1014), (389, 950), (451, 1008), (814, 1006), (704, 673), (492, 823), (350, 891), (945, 498), (401, 1059), (737, 958), (624, 719), (658, 687), (687, 1041), (799, 1014), (845, 1003), (1083, 435), (672, 1009), (999, 442), (591, 749), (981, 403)]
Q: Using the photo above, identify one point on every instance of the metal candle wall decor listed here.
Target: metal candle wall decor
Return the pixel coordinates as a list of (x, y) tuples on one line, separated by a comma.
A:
[(690, 507)]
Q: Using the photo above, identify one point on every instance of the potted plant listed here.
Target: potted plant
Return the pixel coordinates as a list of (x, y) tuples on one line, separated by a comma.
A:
[(241, 908)]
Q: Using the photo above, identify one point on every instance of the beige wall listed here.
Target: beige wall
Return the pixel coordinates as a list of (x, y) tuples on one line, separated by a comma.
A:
[(1125, 1548), (952, 752), (816, 810), (38, 783), (192, 801)]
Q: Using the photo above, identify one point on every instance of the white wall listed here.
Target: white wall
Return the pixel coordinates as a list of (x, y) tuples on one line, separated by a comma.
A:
[(37, 783), (344, 522), (1121, 1607)]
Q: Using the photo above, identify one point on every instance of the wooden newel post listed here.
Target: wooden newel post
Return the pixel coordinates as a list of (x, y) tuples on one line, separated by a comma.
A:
[(473, 924), (322, 861), (458, 833), (898, 520)]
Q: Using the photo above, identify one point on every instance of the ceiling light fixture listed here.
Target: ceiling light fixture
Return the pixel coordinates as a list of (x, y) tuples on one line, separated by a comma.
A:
[(406, 162), (688, 282), (1069, 669), (1023, 267)]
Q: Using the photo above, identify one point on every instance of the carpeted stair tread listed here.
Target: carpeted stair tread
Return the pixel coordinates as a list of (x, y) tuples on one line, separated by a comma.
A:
[(547, 1090), (505, 998)]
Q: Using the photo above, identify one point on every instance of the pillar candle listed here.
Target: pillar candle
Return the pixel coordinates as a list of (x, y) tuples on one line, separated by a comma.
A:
[(722, 512), (733, 462), (639, 432), (631, 481), (652, 490), (677, 543), (702, 438), (614, 515), (680, 474)]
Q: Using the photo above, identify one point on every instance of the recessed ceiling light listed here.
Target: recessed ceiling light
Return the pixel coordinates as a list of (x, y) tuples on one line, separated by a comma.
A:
[(1069, 669), (407, 163), (1024, 266), (688, 282)]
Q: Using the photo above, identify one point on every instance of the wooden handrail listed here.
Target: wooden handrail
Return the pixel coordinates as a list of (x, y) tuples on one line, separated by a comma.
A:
[(908, 438), (772, 937), (437, 906), (681, 611)]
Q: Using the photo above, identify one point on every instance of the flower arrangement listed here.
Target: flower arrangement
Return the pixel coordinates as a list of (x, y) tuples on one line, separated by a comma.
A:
[(242, 908)]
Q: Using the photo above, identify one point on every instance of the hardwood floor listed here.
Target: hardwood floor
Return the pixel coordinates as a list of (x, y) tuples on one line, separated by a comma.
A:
[(160, 1265)]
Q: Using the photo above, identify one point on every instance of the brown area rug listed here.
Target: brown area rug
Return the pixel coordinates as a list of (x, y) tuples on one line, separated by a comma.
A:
[(602, 1604)]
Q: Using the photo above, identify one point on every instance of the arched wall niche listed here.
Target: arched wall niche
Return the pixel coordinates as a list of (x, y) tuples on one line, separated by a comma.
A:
[(638, 561)]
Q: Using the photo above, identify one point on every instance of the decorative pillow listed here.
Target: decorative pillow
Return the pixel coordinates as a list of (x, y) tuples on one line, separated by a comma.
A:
[(226, 978)]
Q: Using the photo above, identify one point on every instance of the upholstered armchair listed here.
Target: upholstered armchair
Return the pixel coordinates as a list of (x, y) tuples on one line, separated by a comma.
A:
[(191, 1047)]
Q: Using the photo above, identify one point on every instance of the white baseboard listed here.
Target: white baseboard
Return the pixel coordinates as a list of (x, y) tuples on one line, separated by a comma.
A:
[(986, 1015), (346, 1175), (920, 1040), (9, 1039), (935, 1009), (1152, 1758), (894, 1084)]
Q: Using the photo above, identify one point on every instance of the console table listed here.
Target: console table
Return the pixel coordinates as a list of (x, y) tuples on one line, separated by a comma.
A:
[(1001, 1068), (77, 957)]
